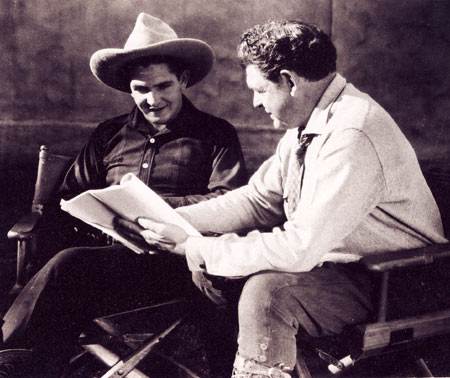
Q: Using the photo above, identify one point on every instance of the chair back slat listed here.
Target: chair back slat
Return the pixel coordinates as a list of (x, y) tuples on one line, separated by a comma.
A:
[(439, 183), (51, 171)]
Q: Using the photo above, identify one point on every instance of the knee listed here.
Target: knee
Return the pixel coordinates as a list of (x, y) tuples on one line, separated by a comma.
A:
[(62, 263), (262, 296)]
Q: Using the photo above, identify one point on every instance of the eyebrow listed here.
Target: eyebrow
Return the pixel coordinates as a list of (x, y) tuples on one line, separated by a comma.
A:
[(164, 83), (142, 84)]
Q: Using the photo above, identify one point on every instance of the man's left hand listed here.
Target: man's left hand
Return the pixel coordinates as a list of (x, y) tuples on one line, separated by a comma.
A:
[(164, 235)]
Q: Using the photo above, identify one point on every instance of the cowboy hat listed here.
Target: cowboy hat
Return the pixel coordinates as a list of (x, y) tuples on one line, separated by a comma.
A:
[(151, 37)]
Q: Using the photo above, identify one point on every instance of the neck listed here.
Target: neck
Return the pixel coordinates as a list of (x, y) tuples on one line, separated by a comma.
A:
[(315, 92), (320, 87), (159, 127)]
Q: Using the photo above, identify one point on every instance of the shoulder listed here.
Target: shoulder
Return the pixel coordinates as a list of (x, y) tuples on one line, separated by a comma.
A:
[(357, 110), (110, 127), (213, 127)]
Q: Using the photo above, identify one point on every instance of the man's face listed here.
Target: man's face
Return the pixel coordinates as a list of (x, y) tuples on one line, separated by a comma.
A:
[(157, 92), (286, 109)]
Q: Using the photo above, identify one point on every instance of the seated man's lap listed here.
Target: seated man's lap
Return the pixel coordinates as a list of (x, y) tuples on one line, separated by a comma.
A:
[(322, 300), (275, 307), (115, 272), (79, 284)]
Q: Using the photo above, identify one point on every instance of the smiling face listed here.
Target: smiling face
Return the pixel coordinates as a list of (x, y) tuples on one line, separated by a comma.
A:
[(157, 92), (289, 102)]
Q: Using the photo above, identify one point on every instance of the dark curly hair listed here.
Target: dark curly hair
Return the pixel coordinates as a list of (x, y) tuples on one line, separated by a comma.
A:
[(292, 45)]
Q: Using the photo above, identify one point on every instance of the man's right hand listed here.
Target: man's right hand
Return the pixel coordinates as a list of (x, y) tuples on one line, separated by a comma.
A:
[(132, 232)]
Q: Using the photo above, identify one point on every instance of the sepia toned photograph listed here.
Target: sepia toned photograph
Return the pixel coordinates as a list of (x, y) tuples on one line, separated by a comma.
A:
[(225, 189)]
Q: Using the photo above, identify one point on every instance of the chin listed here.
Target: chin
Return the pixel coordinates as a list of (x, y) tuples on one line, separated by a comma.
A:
[(277, 124)]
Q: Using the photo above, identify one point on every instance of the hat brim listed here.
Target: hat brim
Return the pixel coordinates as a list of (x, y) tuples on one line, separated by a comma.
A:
[(109, 65)]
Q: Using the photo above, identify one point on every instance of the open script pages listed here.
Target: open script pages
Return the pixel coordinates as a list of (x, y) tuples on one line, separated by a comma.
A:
[(131, 199)]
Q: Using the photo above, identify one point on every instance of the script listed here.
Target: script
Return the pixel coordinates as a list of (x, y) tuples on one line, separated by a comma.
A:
[(131, 199)]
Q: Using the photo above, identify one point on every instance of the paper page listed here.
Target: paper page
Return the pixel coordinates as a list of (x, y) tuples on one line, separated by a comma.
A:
[(133, 199), (118, 237), (89, 209), (93, 212)]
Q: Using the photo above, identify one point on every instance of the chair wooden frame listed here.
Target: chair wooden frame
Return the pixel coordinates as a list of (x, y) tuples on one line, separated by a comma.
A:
[(383, 335), (51, 170)]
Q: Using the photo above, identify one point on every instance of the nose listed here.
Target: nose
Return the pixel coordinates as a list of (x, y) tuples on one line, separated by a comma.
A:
[(257, 103), (152, 98)]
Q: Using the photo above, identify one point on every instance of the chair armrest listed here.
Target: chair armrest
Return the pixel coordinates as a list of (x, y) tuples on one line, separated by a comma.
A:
[(387, 261), (26, 227)]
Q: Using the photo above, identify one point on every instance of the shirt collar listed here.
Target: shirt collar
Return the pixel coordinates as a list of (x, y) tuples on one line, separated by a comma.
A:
[(137, 120), (319, 116)]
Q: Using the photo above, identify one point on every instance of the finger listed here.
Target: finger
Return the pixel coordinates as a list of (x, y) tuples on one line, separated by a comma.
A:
[(152, 225), (153, 236), (166, 247), (136, 239), (127, 225)]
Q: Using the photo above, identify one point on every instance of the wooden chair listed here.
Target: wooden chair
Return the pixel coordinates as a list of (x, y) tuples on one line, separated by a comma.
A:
[(50, 173), (139, 331), (389, 333)]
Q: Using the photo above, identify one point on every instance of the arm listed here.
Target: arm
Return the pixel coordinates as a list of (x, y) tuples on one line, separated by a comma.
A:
[(256, 205), (348, 183), (87, 170)]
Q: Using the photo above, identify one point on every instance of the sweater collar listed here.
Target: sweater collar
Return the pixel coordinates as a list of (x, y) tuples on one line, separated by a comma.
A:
[(320, 115)]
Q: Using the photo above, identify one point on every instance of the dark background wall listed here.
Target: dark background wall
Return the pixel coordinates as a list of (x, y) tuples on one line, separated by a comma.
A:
[(397, 50)]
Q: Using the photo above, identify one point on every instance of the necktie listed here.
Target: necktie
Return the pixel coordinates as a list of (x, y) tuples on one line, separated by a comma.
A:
[(295, 171)]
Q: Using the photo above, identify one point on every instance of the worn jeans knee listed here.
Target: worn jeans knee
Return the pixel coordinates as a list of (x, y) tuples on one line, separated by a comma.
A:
[(275, 306), (267, 328)]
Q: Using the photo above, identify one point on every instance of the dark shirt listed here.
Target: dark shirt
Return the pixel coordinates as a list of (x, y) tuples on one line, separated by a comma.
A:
[(197, 157)]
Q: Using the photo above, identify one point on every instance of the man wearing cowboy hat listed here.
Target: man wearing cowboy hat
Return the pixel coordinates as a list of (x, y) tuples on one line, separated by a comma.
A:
[(183, 154)]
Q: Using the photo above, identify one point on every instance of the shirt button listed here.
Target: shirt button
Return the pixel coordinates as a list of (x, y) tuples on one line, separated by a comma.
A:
[(145, 165), (152, 140)]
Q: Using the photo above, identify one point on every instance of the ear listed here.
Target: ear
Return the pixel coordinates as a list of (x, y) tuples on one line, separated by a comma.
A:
[(289, 79), (184, 79)]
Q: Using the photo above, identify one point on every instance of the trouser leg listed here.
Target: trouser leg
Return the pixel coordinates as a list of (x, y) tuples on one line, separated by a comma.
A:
[(275, 306), (217, 320), (79, 284)]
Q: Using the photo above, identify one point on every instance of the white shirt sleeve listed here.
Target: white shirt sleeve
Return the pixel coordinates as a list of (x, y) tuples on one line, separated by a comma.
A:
[(340, 189), (254, 206)]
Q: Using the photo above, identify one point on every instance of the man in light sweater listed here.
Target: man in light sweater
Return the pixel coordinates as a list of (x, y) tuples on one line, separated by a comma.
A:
[(343, 183)]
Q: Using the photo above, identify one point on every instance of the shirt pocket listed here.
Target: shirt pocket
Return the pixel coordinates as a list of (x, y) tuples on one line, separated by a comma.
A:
[(189, 153)]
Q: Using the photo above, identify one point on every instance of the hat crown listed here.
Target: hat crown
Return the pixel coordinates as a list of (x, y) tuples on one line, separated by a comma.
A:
[(151, 37), (149, 30)]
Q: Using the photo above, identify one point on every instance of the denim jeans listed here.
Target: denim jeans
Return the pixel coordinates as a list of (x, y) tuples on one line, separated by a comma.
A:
[(274, 307), (79, 284)]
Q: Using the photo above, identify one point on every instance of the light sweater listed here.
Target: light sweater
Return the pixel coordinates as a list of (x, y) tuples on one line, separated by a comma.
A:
[(362, 192)]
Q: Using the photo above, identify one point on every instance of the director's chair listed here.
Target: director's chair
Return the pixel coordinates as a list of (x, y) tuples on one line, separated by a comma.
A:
[(117, 334), (137, 332), (413, 306)]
